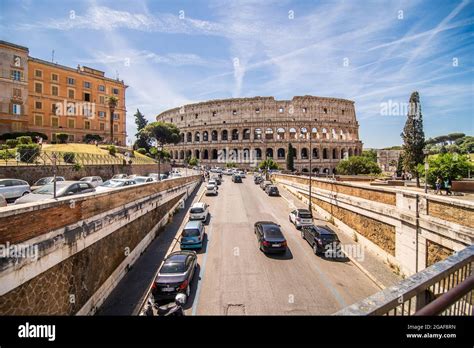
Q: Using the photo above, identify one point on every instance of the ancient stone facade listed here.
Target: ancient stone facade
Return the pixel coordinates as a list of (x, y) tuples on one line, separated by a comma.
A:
[(248, 130)]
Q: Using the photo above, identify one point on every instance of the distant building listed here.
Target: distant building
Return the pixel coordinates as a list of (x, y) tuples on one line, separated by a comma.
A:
[(388, 160), (40, 96)]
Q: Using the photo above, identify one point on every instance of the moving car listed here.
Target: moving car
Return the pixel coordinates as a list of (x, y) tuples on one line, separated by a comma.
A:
[(63, 189), (272, 190), (258, 180), (199, 211), (321, 238), (213, 182), (11, 189), (192, 235), (175, 275), (217, 180), (301, 217), (242, 174), (94, 180), (46, 180), (3, 201), (143, 179), (264, 184), (211, 190), (120, 176), (114, 184), (269, 237)]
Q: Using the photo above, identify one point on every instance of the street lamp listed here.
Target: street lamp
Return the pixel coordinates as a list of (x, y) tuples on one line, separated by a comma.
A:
[(54, 158), (427, 167), (159, 148)]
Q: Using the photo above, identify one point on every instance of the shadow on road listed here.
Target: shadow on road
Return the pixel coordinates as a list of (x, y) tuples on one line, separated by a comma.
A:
[(288, 255)]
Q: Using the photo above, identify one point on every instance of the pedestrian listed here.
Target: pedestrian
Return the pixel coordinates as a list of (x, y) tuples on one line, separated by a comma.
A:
[(438, 185), (447, 187), (40, 142), (96, 143)]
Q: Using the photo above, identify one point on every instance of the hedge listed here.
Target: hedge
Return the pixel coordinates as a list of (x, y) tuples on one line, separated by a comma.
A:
[(24, 139), (62, 137), (69, 157), (28, 152), (15, 135)]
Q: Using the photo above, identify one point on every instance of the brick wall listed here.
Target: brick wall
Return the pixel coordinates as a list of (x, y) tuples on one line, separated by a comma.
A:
[(456, 213), (436, 252)]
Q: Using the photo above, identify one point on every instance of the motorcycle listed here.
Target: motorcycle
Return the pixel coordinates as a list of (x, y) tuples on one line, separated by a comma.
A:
[(173, 309)]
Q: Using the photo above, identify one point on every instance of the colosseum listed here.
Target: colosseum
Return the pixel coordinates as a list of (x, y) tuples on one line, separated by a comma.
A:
[(248, 130)]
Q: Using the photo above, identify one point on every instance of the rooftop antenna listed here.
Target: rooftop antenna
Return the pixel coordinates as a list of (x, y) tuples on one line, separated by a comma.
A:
[(117, 74), (52, 56)]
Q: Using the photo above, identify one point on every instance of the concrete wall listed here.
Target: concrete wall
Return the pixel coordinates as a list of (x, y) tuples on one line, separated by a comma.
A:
[(385, 220), (82, 247), (32, 173)]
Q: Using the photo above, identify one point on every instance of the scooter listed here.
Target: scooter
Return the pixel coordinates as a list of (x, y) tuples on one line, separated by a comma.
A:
[(169, 310)]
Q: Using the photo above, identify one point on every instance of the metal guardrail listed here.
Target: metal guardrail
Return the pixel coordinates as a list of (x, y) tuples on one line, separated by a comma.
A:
[(434, 284), (45, 158)]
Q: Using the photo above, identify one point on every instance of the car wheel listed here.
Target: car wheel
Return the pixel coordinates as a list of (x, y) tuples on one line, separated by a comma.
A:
[(25, 193), (302, 234), (315, 249)]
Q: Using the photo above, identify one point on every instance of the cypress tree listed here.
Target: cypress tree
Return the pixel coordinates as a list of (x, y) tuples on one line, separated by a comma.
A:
[(290, 161)]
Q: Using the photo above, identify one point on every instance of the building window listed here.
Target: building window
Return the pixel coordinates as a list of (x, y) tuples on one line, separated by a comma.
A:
[(38, 73), (38, 105), (87, 84), (116, 129), (39, 120), (234, 112), (101, 114), (116, 116), (71, 123), (171, 120), (71, 81), (17, 109), (87, 97), (102, 126), (115, 91), (54, 122), (304, 110), (54, 77), (195, 116), (38, 87), (16, 92), (343, 111), (101, 99), (54, 108), (102, 88), (55, 90), (71, 94), (70, 138), (87, 125), (325, 110), (16, 75), (257, 110), (280, 110), (214, 113)]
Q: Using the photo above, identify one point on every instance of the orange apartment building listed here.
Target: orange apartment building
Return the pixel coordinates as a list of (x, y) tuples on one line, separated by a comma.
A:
[(60, 99)]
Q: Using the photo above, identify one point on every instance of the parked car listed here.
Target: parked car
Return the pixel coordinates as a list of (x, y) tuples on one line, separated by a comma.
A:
[(242, 174), (199, 211), (156, 178), (143, 179), (301, 217), (213, 182), (192, 235), (63, 189), (3, 201), (114, 184), (272, 190), (120, 176), (321, 238), (217, 180), (269, 237), (11, 189), (175, 275), (264, 184), (211, 190), (94, 180), (46, 180), (258, 180)]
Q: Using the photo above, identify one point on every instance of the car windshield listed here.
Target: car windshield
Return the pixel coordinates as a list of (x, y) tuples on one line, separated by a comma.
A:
[(196, 210), (86, 179), (113, 183), (48, 189), (305, 215), (210, 187), (140, 180), (192, 232), (173, 267), (272, 232), (329, 237), (43, 181)]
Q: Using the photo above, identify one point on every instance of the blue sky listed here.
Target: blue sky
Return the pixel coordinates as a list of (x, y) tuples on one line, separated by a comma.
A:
[(175, 52)]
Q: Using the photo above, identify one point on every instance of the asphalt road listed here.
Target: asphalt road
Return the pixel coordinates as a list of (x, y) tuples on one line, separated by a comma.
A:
[(235, 277)]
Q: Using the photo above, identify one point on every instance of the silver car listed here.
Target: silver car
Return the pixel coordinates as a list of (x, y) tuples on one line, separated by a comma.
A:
[(46, 180), (94, 180), (143, 179), (63, 189), (11, 189)]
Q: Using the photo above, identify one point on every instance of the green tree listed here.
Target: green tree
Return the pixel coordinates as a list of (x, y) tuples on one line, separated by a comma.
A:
[(451, 166), (161, 132), (193, 161), (400, 165), (358, 165), (372, 154), (413, 138), (452, 137), (142, 141), (230, 165), (140, 120), (290, 158), (269, 163)]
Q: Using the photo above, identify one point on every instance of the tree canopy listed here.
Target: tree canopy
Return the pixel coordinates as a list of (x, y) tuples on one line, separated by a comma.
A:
[(358, 165), (161, 132)]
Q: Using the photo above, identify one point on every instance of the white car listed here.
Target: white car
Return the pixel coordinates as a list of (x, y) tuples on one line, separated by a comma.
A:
[(213, 182), (199, 211), (301, 217), (113, 184), (12, 189), (242, 174), (3, 201), (211, 190), (94, 180), (143, 179)]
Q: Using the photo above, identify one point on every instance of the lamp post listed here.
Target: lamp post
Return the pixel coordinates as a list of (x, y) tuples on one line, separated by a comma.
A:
[(159, 148), (427, 167), (54, 158)]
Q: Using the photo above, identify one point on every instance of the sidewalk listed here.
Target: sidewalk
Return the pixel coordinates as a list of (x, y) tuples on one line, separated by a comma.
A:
[(371, 264)]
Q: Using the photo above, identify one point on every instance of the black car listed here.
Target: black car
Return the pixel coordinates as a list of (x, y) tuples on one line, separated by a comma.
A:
[(237, 179), (257, 180), (175, 275), (321, 238), (272, 190), (269, 236)]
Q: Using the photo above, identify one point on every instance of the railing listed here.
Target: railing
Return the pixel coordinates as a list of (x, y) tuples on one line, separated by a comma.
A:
[(35, 158), (445, 288)]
